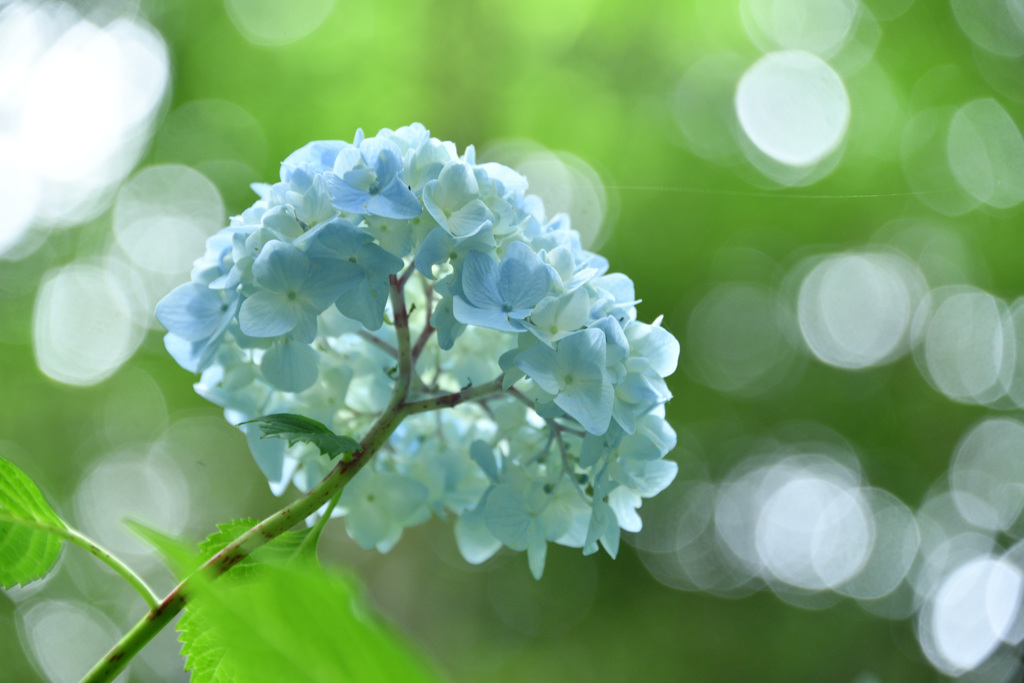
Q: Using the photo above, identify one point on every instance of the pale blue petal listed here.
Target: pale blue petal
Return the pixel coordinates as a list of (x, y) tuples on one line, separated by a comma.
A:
[(480, 280), (328, 279), (347, 159), (366, 302), (484, 456), (656, 477), (383, 156), (395, 201), (456, 185), (191, 311), (290, 366), (185, 353), (336, 238), (524, 280), (319, 154), (443, 320), (401, 496), (346, 197), (507, 517), (468, 220), (604, 527), (280, 267), (590, 403), (475, 542), (536, 553), (305, 329), (435, 210), (625, 503), (368, 525), (436, 247), (267, 314), (269, 456), (483, 317), (583, 354), (657, 345), (541, 364)]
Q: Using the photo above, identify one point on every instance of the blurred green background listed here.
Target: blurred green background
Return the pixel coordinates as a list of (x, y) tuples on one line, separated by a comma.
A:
[(728, 182)]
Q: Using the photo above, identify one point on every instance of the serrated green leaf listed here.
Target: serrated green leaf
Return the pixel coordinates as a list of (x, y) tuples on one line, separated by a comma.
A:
[(299, 429), (179, 555), (203, 648), (278, 551), (29, 546), (297, 623)]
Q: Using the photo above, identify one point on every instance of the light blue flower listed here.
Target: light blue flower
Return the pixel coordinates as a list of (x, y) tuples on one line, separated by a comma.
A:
[(316, 157), (426, 163), (475, 541), (359, 265), (290, 365), (454, 201), (292, 290), (500, 295), (573, 372), (196, 318), (555, 318), (368, 180), (276, 319), (441, 247), (603, 527), (379, 505)]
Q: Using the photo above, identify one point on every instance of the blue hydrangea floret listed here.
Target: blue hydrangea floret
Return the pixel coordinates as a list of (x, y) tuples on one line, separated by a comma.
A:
[(292, 309)]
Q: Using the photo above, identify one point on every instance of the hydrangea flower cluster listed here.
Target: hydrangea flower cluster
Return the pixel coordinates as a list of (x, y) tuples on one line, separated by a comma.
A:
[(292, 309)]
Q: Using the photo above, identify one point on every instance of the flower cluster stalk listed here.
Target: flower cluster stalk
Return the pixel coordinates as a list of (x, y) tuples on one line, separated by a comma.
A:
[(399, 407)]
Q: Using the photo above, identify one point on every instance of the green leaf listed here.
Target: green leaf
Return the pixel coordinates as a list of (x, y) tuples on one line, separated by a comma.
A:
[(278, 551), (295, 623), (203, 648), (179, 555), (29, 529), (299, 429)]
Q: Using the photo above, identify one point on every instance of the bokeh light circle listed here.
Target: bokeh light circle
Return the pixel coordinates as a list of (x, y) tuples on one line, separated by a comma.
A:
[(163, 216), (896, 541), (986, 153), (793, 106), (987, 475), (971, 613), (736, 339), (83, 326), (993, 25), (66, 638), (855, 310), (969, 345), (137, 486), (818, 26), (272, 23), (77, 104)]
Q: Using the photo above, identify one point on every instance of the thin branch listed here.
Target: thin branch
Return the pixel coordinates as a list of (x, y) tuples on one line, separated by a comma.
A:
[(428, 329), (379, 343), (455, 398), (94, 549), (406, 274), (272, 527)]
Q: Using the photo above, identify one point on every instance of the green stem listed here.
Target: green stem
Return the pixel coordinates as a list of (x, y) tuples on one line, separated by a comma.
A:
[(455, 398), (397, 409), (272, 527), (94, 549), (313, 537)]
